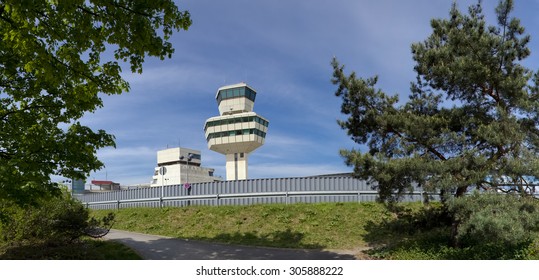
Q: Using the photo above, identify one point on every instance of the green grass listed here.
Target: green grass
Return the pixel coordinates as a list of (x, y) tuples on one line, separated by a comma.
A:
[(409, 231), (85, 249), (326, 225), (346, 226)]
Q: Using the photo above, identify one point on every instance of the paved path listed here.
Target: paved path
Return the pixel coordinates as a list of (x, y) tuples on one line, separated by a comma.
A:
[(153, 247)]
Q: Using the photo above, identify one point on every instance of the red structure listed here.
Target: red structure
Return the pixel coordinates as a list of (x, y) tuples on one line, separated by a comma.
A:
[(106, 185)]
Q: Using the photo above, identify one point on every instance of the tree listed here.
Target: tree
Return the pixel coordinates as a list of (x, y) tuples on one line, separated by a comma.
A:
[(471, 118), (56, 58)]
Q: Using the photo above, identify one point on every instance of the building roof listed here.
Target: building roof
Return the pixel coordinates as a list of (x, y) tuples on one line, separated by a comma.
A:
[(103, 182), (234, 116)]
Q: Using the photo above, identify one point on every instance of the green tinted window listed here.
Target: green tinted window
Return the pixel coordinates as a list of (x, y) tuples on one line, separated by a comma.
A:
[(238, 120), (236, 92), (236, 132)]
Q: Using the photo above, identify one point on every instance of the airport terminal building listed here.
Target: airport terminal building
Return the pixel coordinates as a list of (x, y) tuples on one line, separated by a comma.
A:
[(181, 166)]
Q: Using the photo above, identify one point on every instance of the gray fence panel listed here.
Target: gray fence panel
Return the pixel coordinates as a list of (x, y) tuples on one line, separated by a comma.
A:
[(255, 191)]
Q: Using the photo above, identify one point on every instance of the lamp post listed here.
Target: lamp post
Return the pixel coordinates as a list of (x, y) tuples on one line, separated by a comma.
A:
[(189, 158), (181, 158), (162, 171), (187, 186)]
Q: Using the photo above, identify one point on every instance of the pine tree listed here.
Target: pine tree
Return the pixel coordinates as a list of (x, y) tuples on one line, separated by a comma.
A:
[(471, 118)]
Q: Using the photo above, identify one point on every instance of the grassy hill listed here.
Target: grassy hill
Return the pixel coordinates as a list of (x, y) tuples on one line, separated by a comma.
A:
[(408, 231), (341, 226)]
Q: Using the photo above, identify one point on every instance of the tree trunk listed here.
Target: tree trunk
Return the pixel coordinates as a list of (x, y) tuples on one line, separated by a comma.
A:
[(461, 191), (454, 230)]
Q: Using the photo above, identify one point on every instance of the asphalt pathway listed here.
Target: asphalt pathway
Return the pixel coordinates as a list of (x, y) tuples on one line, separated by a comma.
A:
[(154, 247)]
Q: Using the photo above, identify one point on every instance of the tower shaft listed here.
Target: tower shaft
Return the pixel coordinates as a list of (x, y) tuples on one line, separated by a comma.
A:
[(238, 130), (236, 166)]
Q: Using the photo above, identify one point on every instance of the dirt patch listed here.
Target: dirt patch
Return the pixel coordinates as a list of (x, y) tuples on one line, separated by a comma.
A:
[(359, 253)]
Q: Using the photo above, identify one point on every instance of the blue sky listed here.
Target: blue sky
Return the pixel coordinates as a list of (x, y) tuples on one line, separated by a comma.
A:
[(283, 50)]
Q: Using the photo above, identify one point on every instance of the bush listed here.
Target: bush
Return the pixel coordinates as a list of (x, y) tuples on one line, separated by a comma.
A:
[(413, 218), (55, 220), (495, 226)]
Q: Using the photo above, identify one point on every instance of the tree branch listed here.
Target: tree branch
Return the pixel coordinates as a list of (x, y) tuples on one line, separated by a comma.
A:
[(6, 155), (84, 9), (429, 148), (25, 109), (131, 10)]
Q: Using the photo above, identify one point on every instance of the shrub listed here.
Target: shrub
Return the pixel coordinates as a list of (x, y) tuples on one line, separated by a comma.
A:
[(414, 217), (496, 226), (55, 220)]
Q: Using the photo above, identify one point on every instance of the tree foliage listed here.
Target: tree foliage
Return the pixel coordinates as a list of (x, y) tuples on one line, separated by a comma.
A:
[(470, 120), (56, 220), (56, 57), (495, 226)]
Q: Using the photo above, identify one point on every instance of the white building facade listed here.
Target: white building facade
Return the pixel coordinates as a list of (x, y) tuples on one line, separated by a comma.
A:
[(238, 130), (181, 166)]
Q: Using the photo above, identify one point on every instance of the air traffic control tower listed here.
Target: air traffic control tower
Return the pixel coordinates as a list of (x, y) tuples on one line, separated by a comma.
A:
[(238, 130)]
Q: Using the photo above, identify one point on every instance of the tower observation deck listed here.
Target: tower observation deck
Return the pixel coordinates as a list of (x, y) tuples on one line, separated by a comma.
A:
[(238, 130)]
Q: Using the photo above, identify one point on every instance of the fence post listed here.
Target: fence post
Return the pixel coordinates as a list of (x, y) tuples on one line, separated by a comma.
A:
[(118, 205), (217, 199)]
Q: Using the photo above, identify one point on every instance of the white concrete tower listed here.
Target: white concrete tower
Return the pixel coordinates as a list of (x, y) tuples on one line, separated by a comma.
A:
[(238, 130)]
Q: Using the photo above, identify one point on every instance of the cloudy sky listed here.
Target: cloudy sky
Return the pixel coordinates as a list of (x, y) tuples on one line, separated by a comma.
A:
[(283, 50)]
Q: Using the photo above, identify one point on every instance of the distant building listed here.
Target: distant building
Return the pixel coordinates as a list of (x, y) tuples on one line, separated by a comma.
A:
[(77, 186), (105, 185), (238, 130), (180, 166)]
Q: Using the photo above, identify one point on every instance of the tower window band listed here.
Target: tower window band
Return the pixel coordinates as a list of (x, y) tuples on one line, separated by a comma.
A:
[(236, 132), (235, 93), (236, 120)]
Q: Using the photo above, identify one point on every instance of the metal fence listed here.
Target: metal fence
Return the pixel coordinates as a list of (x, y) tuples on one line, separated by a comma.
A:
[(242, 192)]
